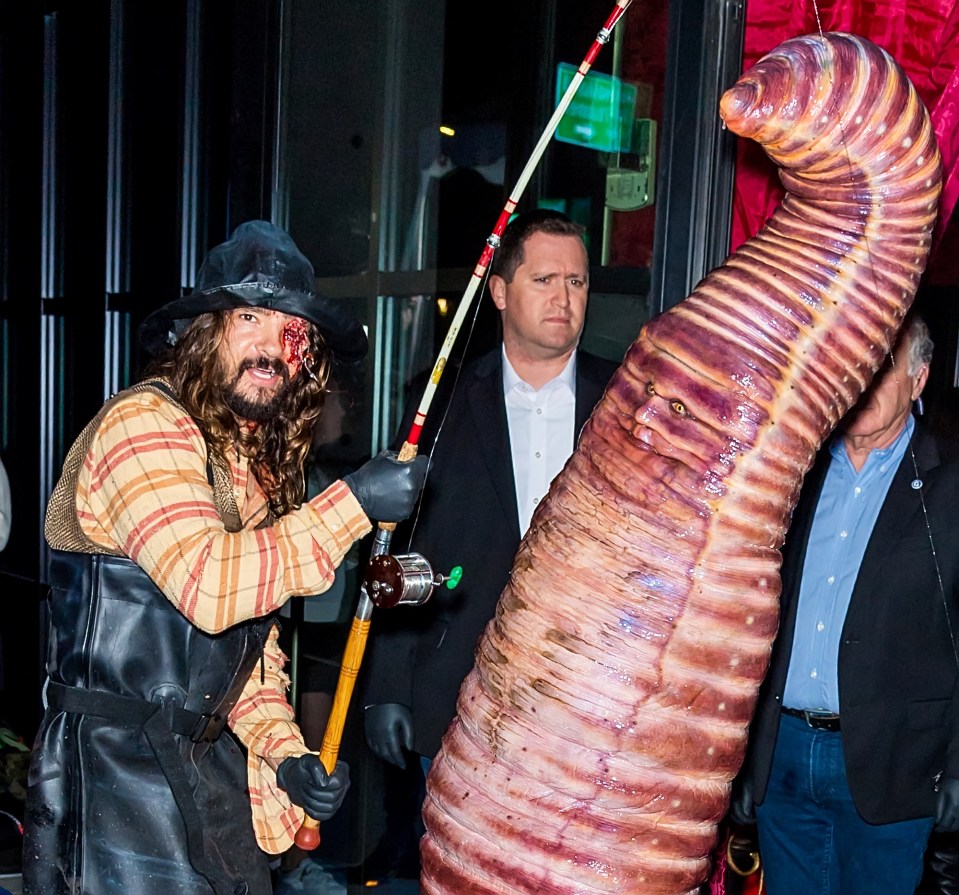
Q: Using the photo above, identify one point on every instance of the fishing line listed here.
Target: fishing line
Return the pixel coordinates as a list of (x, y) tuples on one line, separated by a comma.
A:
[(935, 556), (446, 409)]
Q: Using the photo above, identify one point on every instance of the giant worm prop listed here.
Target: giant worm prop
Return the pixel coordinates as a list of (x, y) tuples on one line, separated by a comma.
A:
[(609, 706)]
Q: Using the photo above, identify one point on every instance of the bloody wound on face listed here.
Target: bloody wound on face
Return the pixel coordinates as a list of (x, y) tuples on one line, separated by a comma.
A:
[(296, 343)]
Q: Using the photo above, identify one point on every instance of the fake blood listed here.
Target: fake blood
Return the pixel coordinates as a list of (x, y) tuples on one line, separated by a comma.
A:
[(296, 343)]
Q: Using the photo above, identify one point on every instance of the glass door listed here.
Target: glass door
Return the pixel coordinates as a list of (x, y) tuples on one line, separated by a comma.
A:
[(403, 127)]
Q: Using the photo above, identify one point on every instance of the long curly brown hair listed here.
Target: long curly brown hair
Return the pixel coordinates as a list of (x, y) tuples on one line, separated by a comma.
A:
[(277, 448)]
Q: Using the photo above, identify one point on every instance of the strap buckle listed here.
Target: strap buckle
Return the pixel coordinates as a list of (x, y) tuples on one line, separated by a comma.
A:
[(208, 728)]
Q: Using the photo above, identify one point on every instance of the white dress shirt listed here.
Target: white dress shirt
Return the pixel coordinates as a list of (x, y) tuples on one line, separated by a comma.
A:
[(541, 423)]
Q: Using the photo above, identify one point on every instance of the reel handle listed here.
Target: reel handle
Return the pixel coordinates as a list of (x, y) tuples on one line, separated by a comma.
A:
[(404, 579)]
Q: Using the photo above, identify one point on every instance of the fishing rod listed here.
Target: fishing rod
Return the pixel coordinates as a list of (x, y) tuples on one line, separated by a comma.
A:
[(409, 580)]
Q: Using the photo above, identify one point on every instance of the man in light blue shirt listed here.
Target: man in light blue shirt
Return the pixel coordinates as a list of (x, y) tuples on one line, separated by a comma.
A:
[(848, 506), (854, 749)]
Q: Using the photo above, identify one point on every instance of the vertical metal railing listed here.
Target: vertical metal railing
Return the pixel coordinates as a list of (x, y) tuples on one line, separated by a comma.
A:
[(190, 199), (389, 242), (279, 194), (116, 335), (52, 333)]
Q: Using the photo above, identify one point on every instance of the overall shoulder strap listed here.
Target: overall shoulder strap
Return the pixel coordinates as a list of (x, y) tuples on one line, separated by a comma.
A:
[(62, 527)]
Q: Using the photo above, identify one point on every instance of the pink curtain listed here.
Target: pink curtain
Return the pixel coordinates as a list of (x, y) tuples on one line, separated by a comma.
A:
[(923, 35)]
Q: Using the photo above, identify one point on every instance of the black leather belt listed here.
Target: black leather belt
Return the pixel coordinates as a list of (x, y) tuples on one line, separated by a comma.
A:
[(816, 720), (132, 711)]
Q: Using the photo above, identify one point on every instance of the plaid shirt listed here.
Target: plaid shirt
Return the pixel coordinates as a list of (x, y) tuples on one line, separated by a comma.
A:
[(143, 490)]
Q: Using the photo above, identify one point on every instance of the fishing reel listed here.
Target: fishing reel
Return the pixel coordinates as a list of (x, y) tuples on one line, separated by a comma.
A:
[(406, 579)]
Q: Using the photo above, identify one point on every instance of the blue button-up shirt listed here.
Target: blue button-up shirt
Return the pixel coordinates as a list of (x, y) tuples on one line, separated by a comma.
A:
[(845, 516)]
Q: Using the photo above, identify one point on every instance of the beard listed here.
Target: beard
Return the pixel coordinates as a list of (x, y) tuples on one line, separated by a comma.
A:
[(258, 405)]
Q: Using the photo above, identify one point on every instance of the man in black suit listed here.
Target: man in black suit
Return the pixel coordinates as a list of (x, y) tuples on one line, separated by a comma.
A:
[(512, 425), (854, 749)]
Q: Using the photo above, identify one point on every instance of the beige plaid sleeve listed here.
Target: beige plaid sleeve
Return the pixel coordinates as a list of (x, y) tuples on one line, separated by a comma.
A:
[(263, 721), (143, 489)]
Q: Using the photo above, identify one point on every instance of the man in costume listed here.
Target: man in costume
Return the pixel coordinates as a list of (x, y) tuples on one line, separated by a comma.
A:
[(168, 751), (509, 431), (854, 749)]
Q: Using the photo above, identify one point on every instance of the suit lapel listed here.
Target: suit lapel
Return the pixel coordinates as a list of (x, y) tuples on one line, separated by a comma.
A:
[(898, 513), (797, 540), (488, 407), (589, 389)]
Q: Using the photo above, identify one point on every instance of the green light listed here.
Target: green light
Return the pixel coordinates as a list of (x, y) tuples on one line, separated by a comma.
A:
[(454, 577), (601, 114)]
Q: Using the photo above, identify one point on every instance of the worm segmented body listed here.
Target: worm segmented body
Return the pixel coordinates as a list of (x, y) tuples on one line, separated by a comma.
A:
[(608, 710)]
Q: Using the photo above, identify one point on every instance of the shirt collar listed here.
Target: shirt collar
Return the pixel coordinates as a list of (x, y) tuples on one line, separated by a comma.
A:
[(567, 376), (897, 448)]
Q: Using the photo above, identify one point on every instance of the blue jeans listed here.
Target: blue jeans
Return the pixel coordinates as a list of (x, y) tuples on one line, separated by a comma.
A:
[(811, 838)]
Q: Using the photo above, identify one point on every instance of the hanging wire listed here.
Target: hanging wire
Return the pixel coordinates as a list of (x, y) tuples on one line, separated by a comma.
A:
[(935, 556), (815, 7)]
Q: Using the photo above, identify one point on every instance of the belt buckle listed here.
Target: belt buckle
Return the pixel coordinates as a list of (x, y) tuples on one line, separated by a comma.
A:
[(821, 720), (208, 728)]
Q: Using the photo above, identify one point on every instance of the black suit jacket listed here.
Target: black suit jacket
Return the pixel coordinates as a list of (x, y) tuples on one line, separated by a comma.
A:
[(419, 656), (898, 669)]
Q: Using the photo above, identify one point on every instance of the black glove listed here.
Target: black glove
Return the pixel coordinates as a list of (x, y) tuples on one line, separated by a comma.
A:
[(387, 489), (309, 786), (947, 805), (741, 807), (941, 873), (389, 730)]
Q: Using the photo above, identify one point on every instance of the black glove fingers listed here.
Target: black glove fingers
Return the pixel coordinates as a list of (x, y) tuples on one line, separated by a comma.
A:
[(387, 489), (318, 778), (307, 783), (389, 728), (394, 754), (323, 801)]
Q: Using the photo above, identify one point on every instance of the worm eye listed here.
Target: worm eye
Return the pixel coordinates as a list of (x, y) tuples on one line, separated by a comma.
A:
[(650, 389), (678, 407)]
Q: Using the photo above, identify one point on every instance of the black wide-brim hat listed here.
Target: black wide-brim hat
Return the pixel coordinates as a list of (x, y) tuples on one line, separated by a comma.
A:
[(259, 266)]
